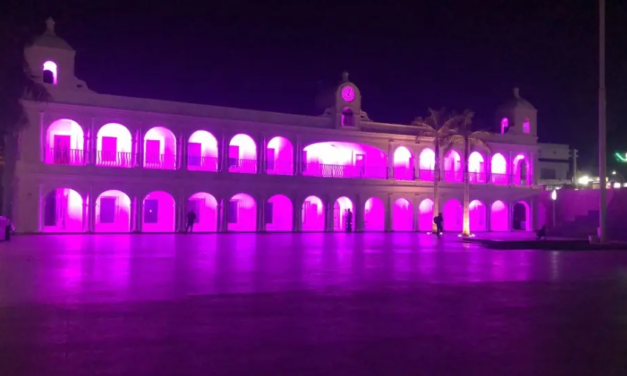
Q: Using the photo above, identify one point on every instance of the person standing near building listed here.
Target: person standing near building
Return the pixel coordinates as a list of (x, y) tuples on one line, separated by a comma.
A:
[(439, 224), (191, 219)]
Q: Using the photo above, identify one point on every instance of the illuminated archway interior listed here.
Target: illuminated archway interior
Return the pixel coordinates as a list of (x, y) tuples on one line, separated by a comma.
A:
[(344, 160), (279, 214), (280, 157), (65, 142), (242, 154), (453, 167), (160, 149), (242, 215), (521, 217), (477, 211), (499, 217), (426, 164), (340, 213), (50, 73), (205, 206), (63, 211), (313, 214), (425, 215), (453, 216), (159, 212), (202, 152), (402, 215), (499, 169), (476, 168), (521, 170), (403, 164), (374, 215), (504, 125), (114, 146), (113, 212)]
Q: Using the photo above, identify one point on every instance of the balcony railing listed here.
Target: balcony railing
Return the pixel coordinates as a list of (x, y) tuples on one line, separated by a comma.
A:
[(114, 159), (499, 179), (200, 163), (243, 166), (278, 168), (477, 177), (65, 156), (426, 175), (160, 161), (342, 171), (453, 176), (404, 173)]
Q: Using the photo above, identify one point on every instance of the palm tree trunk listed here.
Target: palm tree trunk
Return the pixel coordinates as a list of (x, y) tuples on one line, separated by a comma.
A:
[(466, 220), (436, 183)]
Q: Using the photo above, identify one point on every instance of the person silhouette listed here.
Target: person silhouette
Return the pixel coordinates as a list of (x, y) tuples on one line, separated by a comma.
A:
[(191, 219)]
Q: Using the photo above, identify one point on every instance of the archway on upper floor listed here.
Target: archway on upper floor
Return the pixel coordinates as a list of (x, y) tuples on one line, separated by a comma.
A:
[(202, 152), (521, 217), (50, 72), (64, 143), (476, 168), (477, 212), (403, 164), (337, 159), (498, 169), (242, 213), (160, 149), (313, 214), (453, 215), (426, 165), (425, 215), (279, 214), (453, 166), (402, 215), (499, 216), (63, 211), (159, 212), (113, 212), (343, 214), (114, 146), (205, 207), (242, 154), (279, 156), (521, 170), (374, 215)]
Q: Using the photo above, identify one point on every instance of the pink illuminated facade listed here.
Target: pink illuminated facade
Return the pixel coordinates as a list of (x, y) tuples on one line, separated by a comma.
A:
[(103, 163)]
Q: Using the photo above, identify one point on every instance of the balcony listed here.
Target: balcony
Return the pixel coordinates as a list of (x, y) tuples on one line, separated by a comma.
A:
[(404, 173), (477, 177), (115, 159), (452, 176), (274, 168), (160, 161), (499, 179), (202, 163), (426, 175), (65, 156), (345, 171), (243, 166)]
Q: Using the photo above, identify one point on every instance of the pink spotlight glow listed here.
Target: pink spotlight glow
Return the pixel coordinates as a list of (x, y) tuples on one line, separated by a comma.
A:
[(280, 157), (340, 211), (453, 216), (374, 215), (498, 216), (242, 154), (205, 206), (313, 214), (160, 149), (344, 160), (521, 170), (113, 212), (159, 212), (242, 215), (114, 146), (64, 143), (504, 125), (403, 164), (50, 72), (279, 214), (427, 164), (425, 215), (476, 168), (477, 216), (402, 215), (453, 167), (63, 211), (499, 169), (202, 152)]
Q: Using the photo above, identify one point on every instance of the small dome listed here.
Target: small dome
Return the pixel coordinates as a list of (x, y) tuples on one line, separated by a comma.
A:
[(50, 39), (517, 103)]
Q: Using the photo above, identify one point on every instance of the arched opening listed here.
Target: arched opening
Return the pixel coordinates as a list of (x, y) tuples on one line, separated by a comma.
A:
[(504, 125), (477, 211), (374, 215), (114, 146), (343, 214), (50, 73), (313, 214), (499, 169), (279, 157), (63, 211), (113, 212), (453, 167), (499, 216), (348, 118), (526, 126), (521, 217), (403, 164), (242, 154), (159, 212), (279, 214), (453, 216), (242, 213), (427, 165), (425, 215), (344, 160), (205, 207), (402, 215), (521, 168), (65, 142), (476, 168), (160, 149), (202, 152)]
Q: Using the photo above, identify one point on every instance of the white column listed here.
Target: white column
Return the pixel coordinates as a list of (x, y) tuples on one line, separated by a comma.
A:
[(91, 211), (297, 214), (138, 207), (358, 214), (223, 206), (488, 217), (390, 161), (328, 215), (224, 153), (416, 205), (298, 156), (261, 213), (261, 154), (388, 213)]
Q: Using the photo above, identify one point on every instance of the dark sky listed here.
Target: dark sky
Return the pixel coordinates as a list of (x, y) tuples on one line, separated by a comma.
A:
[(405, 56)]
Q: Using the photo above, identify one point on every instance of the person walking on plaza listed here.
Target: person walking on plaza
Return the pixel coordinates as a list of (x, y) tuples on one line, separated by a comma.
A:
[(191, 219), (439, 224), (349, 221)]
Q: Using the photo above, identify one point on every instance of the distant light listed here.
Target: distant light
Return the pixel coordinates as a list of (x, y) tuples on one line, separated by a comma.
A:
[(617, 185), (584, 180), (624, 184), (554, 195), (621, 157), (613, 172)]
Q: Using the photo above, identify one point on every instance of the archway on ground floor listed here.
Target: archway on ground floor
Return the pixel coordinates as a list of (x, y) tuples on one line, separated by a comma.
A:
[(477, 212), (159, 212), (425, 215), (313, 214), (499, 216), (63, 211), (342, 210), (453, 215), (205, 206), (279, 214), (521, 217), (374, 215), (402, 215), (242, 213), (113, 212)]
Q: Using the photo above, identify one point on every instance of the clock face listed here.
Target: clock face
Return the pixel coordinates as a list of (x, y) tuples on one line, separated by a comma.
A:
[(348, 93)]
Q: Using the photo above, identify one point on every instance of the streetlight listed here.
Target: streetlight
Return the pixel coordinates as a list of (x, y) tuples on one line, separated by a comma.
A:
[(554, 198), (602, 126)]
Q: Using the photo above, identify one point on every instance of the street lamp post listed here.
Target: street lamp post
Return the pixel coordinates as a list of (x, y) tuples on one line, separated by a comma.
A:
[(602, 127), (554, 198)]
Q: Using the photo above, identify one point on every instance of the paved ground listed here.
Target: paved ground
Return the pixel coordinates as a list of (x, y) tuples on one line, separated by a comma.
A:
[(311, 304)]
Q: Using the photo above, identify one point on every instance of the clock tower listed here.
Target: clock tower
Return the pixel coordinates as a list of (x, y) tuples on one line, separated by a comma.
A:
[(347, 107)]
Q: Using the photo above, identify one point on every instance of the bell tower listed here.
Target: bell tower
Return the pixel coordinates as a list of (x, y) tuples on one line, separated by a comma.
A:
[(347, 108), (517, 117)]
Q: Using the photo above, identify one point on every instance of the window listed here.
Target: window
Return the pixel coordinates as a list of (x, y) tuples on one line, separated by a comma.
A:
[(348, 119), (548, 173), (107, 209), (50, 73), (233, 211), (151, 211)]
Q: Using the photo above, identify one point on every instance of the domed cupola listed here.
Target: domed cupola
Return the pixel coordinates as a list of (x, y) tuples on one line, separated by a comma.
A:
[(517, 116)]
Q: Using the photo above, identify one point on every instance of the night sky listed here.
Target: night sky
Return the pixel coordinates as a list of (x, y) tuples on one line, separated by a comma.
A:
[(405, 56)]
